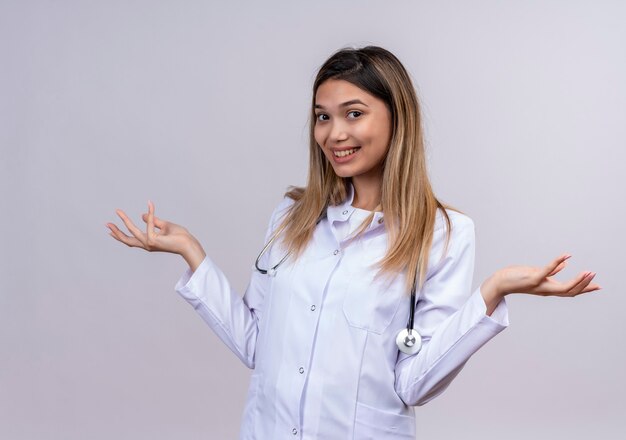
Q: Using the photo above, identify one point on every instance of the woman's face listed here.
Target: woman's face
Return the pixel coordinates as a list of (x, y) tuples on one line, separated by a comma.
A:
[(353, 128)]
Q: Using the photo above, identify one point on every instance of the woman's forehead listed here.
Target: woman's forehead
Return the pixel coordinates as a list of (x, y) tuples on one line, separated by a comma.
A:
[(334, 92)]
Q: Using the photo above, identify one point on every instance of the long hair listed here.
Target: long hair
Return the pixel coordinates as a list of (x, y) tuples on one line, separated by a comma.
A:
[(407, 198)]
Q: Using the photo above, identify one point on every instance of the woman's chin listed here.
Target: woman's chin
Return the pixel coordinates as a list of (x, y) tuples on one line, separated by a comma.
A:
[(343, 172)]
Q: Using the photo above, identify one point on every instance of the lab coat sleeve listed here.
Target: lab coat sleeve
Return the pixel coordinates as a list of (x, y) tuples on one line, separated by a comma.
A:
[(451, 320), (233, 319)]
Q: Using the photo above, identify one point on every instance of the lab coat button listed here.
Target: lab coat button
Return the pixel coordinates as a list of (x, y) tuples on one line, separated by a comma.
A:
[(294, 431), (345, 212), (380, 220), (301, 370), (313, 308), (336, 251)]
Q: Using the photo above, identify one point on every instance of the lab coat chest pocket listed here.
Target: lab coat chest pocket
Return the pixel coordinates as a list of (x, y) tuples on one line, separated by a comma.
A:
[(371, 303)]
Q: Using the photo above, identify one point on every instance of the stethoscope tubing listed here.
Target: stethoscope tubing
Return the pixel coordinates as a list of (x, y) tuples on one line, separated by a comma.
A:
[(271, 270), (408, 340)]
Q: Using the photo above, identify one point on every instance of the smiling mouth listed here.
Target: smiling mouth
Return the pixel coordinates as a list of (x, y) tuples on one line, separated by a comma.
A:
[(345, 153)]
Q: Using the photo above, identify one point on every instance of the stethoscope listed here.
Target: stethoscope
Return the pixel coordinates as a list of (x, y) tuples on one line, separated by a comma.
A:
[(409, 341)]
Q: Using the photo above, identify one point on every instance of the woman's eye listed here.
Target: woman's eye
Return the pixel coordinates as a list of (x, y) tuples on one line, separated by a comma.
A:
[(322, 117), (354, 114)]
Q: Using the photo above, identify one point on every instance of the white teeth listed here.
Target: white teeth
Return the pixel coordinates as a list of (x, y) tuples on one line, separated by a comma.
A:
[(345, 152)]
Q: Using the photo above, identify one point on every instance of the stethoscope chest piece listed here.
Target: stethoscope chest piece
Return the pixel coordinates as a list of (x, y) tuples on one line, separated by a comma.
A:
[(409, 343)]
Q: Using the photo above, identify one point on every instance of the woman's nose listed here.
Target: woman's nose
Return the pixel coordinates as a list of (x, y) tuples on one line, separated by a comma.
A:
[(338, 132)]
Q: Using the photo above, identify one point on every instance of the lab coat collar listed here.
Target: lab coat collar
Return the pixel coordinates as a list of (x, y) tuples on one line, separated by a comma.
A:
[(343, 211)]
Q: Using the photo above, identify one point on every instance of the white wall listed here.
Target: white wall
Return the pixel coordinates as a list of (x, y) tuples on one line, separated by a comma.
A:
[(202, 107)]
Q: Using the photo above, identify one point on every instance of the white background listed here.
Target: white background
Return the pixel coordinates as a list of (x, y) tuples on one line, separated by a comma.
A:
[(202, 107)]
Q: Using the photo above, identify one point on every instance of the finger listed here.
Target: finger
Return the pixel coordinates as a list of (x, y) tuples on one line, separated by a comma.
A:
[(584, 286), (558, 288), (553, 267), (131, 227), (579, 287), (120, 236), (151, 233), (574, 282), (591, 288)]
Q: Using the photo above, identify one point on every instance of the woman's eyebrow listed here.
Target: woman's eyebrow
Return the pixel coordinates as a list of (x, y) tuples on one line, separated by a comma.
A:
[(346, 104)]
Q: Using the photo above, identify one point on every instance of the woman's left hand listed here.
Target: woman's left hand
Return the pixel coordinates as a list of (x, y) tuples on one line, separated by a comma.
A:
[(539, 281), (534, 281)]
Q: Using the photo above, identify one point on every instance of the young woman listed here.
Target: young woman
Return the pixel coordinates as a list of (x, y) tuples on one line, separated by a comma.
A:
[(362, 249)]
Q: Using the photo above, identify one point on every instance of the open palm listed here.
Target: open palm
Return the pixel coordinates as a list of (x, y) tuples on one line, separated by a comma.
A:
[(539, 281), (160, 235)]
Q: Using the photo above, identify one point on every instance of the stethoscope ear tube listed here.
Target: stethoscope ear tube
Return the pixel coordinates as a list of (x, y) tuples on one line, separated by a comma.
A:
[(272, 270)]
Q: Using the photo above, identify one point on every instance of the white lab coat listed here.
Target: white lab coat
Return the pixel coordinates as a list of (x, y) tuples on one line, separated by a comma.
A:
[(320, 334)]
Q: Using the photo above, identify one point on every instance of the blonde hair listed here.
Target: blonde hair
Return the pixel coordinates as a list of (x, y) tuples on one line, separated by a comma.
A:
[(407, 199)]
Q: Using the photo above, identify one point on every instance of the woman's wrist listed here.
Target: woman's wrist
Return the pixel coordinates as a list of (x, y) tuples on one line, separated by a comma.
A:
[(193, 254), (492, 293)]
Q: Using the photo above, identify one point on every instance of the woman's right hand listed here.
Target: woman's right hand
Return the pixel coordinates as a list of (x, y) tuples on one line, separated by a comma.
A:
[(169, 237)]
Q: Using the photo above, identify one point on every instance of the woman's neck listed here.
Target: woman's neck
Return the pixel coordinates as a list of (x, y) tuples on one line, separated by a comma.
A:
[(367, 193)]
